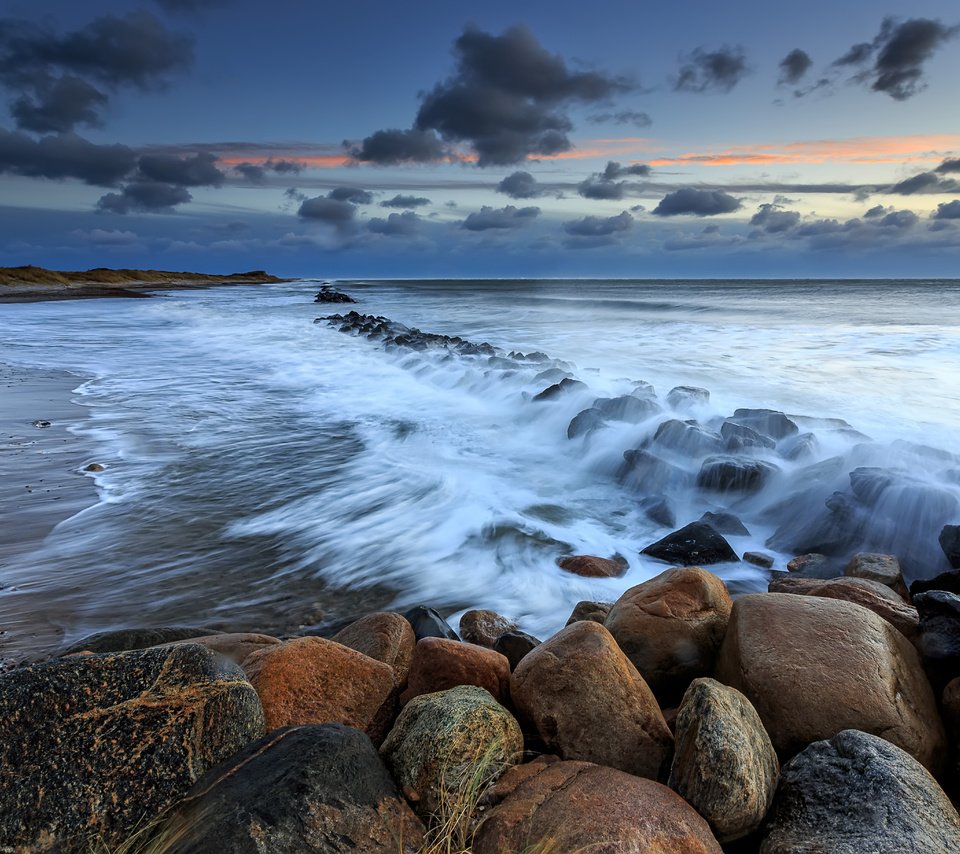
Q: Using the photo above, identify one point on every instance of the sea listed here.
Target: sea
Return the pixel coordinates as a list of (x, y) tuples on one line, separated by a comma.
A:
[(262, 471)]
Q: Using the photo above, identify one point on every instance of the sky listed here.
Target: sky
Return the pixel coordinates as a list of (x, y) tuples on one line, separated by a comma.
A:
[(427, 139)]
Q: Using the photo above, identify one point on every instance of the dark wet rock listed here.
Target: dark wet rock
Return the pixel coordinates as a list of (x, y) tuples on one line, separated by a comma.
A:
[(724, 764), (552, 375), (939, 638), (950, 705), (767, 422), (562, 807), (126, 639), (949, 540), (328, 294), (565, 386), (725, 523), (585, 422), (949, 581), (657, 508), (536, 357), (734, 474), (515, 645), (93, 468), (642, 388), (877, 567), (41, 423), (813, 564), (687, 438), (97, 745), (695, 544), (382, 636), (802, 447), (685, 396), (644, 471), (427, 623), (437, 742), (482, 627), (591, 566), (627, 407), (501, 363), (393, 334), (759, 559), (316, 789), (857, 793), (739, 437), (595, 612)]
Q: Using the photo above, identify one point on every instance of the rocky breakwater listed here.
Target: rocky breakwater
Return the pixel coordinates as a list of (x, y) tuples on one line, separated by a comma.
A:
[(675, 720)]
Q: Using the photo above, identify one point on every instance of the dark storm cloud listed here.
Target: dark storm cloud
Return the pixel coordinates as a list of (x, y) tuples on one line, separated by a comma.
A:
[(390, 147), (64, 156), (144, 197), (925, 182), (506, 101), (877, 211), (596, 226), (718, 70), (400, 201), (947, 210), (356, 195), (622, 117), (253, 172), (773, 219), (794, 66), (500, 218), (597, 187), (697, 203), (329, 211), (57, 105), (900, 219), (949, 166), (520, 185), (257, 172), (406, 224), (614, 170), (898, 54), (200, 170)]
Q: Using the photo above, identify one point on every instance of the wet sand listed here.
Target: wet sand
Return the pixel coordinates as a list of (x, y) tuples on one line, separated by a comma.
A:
[(41, 479)]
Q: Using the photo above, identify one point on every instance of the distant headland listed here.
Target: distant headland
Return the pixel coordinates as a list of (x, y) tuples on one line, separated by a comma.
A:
[(33, 284)]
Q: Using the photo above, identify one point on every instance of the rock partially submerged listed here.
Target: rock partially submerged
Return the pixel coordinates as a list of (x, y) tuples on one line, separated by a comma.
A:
[(331, 295), (696, 544)]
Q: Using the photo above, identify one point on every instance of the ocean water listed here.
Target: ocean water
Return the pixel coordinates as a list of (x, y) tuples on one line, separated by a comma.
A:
[(266, 472)]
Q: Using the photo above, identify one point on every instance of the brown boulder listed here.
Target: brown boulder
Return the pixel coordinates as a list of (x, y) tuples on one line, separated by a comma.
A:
[(577, 806), (877, 567), (671, 627), (872, 595), (317, 681), (813, 667), (596, 612), (234, 645), (484, 627), (588, 702), (439, 664), (383, 636), (590, 566), (812, 562)]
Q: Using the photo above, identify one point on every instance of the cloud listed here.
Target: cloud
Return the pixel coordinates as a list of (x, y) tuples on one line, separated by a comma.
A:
[(900, 219), (105, 237), (58, 105), (947, 210), (597, 187), (949, 166), (925, 182), (356, 195), (500, 218), (794, 66), (622, 117), (773, 219), (64, 156), (520, 185), (144, 197), (506, 101), (898, 52), (190, 5), (877, 211), (406, 224), (595, 226), (399, 201), (257, 172), (199, 170), (719, 70), (697, 203), (253, 172), (335, 212), (614, 170)]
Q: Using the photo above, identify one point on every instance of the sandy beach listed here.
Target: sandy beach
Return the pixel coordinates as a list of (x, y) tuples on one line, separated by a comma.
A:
[(41, 482)]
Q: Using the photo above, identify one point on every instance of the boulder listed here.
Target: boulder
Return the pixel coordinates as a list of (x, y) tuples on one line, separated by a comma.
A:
[(627, 407), (587, 701), (315, 789), (427, 623), (803, 447), (949, 581), (808, 565), (121, 640), (515, 645), (696, 544), (873, 595), (761, 559), (725, 523), (444, 743), (585, 422), (235, 645), (93, 747), (813, 667), (950, 704), (949, 540), (857, 793), (596, 612), (687, 438), (649, 473), (439, 664), (741, 438), (876, 567), (576, 806), (685, 396), (939, 636), (317, 681), (564, 387), (670, 628), (657, 508), (767, 422), (383, 636), (724, 764), (484, 627), (734, 474), (590, 566)]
